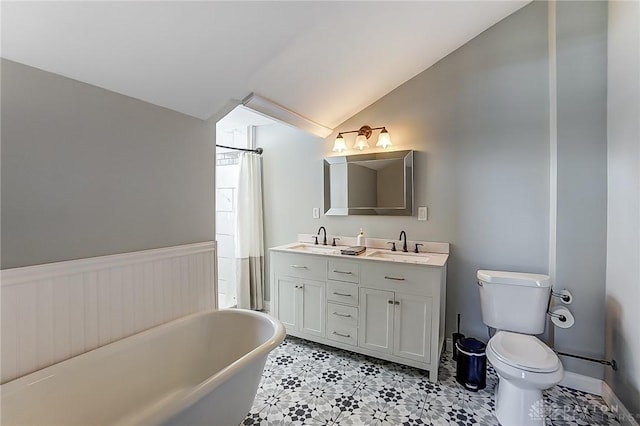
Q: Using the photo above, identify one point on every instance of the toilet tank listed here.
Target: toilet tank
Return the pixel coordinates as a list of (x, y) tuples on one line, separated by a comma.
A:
[(514, 301)]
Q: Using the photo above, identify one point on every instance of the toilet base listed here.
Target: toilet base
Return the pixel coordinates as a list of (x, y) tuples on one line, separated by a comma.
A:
[(519, 407)]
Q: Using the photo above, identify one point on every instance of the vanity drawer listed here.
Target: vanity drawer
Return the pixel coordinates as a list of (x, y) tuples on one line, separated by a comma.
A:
[(300, 266), (342, 292), (397, 277), (344, 334), (342, 315), (342, 323), (344, 271)]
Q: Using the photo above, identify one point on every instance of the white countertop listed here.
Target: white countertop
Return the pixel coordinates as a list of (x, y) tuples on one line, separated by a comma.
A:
[(371, 254)]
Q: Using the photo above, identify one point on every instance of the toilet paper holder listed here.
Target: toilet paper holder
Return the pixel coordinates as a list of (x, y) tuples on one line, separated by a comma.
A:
[(561, 317), (564, 295)]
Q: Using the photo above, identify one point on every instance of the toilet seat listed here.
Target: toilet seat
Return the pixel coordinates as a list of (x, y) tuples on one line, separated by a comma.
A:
[(524, 352)]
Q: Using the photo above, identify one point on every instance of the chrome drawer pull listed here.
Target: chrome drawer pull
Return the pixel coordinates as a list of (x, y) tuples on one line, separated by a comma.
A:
[(341, 335), (393, 278), (342, 315), (298, 266), (343, 272), (342, 294)]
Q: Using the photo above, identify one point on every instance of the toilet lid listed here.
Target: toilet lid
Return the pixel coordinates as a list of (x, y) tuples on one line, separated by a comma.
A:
[(524, 351)]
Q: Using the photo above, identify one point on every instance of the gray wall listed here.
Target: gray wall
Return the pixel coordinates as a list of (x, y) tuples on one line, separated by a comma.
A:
[(582, 177), (292, 185), (88, 172), (478, 120), (623, 233), (479, 123)]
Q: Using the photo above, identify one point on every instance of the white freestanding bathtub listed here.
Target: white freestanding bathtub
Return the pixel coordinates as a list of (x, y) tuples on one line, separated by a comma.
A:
[(203, 369)]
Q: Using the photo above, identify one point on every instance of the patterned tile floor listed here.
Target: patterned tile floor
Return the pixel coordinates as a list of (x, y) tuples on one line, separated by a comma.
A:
[(306, 383)]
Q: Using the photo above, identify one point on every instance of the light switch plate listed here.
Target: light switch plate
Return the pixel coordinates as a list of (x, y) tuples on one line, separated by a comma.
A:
[(316, 213), (422, 213)]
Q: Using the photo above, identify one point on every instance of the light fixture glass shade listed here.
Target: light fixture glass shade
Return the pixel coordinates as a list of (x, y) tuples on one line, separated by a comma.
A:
[(361, 142), (384, 139), (339, 145)]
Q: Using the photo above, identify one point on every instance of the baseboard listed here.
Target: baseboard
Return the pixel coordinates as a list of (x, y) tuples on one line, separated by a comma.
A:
[(266, 306), (582, 383), (599, 387), (623, 415), (448, 344)]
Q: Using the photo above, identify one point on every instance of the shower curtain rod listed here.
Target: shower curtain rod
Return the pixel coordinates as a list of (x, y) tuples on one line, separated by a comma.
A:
[(257, 150)]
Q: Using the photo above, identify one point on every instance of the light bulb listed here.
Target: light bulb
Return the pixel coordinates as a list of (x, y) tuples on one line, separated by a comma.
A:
[(361, 142), (339, 145), (384, 139)]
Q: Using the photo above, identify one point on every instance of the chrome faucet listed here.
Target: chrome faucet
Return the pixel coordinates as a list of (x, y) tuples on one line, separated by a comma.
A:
[(324, 241), (404, 244)]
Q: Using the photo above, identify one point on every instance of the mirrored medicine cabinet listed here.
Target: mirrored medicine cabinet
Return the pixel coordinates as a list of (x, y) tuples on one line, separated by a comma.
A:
[(380, 183)]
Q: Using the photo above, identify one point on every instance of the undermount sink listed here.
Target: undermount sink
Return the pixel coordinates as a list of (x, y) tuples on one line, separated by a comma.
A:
[(401, 257), (317, 249)]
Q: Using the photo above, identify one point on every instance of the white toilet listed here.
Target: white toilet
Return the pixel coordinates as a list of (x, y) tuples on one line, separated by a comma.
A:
[(515, 304)]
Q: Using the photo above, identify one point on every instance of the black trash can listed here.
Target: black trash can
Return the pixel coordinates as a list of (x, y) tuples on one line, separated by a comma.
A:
[(471, 367)]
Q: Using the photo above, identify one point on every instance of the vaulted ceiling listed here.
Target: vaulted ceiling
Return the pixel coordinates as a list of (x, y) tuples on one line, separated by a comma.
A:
[(324, 60)]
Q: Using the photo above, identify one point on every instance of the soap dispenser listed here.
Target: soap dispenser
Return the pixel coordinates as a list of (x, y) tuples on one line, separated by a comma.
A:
[(360, 241)]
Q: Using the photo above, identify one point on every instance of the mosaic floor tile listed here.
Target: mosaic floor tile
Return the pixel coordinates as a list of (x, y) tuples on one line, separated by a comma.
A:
[(305, 383)]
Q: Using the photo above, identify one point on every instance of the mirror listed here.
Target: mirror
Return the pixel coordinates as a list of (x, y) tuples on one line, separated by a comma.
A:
[(369, 184)]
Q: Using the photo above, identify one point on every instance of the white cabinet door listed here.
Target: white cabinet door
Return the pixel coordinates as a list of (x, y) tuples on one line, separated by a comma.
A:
[(287, 302), (412, 327), (376, 320), (312, 307)]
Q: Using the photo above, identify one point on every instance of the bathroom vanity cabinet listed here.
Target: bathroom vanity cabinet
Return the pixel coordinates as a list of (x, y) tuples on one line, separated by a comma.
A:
[(382, 308), (302, 294), (396, 323)]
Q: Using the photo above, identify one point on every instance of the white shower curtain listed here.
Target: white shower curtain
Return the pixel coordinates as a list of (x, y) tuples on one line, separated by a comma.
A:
[(249, 233)]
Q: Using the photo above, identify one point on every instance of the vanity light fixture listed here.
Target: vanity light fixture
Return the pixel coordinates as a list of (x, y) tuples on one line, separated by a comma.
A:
[(364, 133)]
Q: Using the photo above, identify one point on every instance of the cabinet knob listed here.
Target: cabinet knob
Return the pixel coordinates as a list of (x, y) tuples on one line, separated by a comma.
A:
[(397, 302), (390, 302), (298, 266), (341, 334)]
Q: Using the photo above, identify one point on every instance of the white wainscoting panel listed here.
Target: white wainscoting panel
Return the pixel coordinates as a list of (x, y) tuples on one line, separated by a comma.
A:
[(56, 311)]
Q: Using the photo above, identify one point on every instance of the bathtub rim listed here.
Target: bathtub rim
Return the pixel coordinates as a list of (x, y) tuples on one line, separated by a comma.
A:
[(187, 399), (204, 388)]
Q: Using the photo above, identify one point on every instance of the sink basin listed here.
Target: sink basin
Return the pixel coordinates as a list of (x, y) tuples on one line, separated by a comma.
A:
[(400, 257), (316, 249)]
